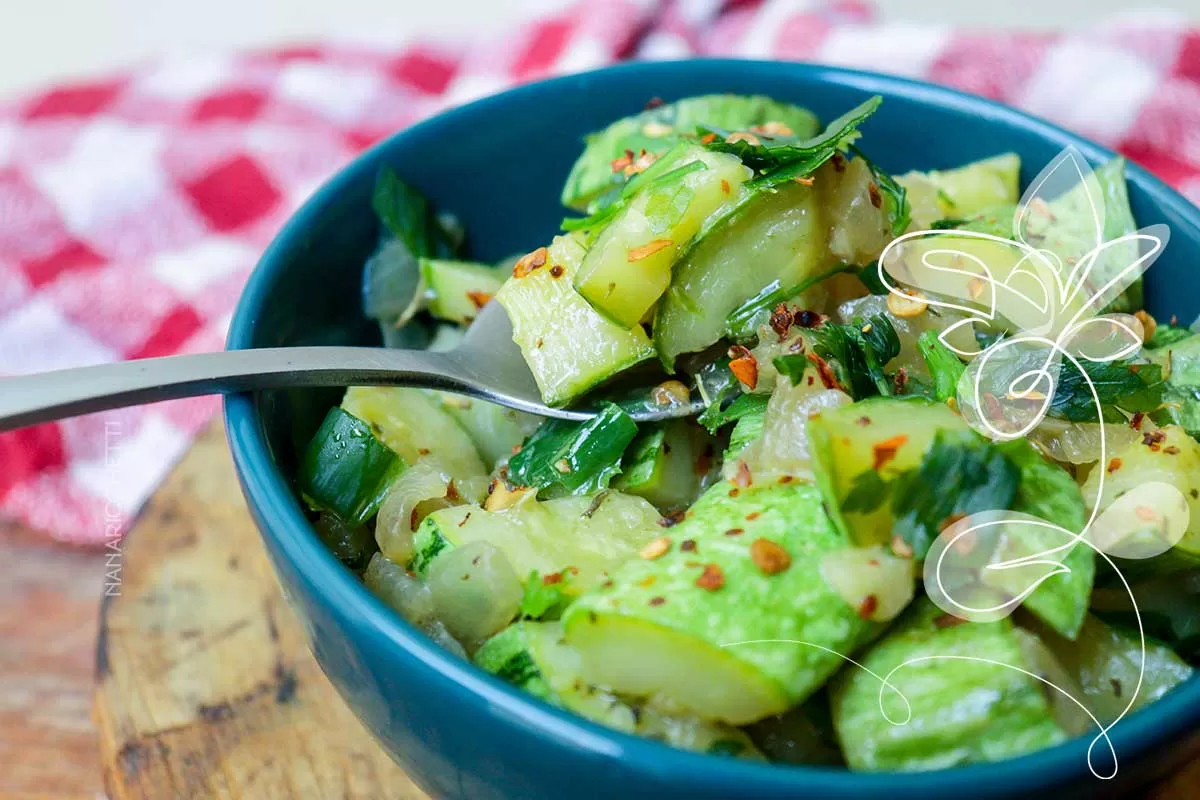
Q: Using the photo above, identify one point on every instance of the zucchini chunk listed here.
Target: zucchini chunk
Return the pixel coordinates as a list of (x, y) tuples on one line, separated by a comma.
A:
[(569, 346), (1167, 455), (1104, 660), (866, 450), (494, 429), (628, 267), (535, 657), (708, 620), (962, 711), (600, 167), (413, 423), (346, 469), (586, 534), (775, 236), (457, 291), (663, 465), (963, 191)]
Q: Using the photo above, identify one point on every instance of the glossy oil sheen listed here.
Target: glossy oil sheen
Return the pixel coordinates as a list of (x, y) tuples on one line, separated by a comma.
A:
[(499, 164)]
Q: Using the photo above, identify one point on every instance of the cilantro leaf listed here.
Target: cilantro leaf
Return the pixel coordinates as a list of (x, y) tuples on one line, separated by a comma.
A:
[(1165, 335), (962, 474), (857, 353), (782, 158), (716, 417), (868, 492), (581, 457), (1123, 385), (944, 366), (407, 215)]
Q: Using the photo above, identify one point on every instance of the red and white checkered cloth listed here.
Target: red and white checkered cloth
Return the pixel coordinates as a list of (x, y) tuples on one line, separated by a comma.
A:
[(132, 208)]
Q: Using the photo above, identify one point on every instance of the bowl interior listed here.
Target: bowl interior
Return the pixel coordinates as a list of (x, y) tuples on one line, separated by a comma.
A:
[(499, 165)]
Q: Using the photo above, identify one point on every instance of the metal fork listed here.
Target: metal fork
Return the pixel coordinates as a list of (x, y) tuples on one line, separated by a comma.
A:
[(487, 365)]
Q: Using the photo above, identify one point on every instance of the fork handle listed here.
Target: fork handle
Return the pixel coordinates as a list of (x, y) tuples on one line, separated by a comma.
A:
[(42, 397)]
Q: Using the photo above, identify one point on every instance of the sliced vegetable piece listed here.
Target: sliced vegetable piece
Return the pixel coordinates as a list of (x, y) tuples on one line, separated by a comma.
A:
[(967, 190), (457, 291), (1181, 401), (413, 424), (776, 236), (582, 457), (406, 594), (959, 710), (475, 591), (352, 544), (346, 470), (628, 267), (713, 618), (419, 490), (568, 345), (494, 429), (661, 465), (586, 535), (1167, 455), (604, 161), (1105, 662)]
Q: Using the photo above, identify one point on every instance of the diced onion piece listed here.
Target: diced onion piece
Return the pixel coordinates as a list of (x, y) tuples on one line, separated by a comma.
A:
[(859, 227), (871, 580), (782, 449), (404, 593), (476, 591), (399, 515), (1079, 442)]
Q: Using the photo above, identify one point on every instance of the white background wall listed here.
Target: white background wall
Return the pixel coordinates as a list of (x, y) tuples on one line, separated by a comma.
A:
[(45, 40)]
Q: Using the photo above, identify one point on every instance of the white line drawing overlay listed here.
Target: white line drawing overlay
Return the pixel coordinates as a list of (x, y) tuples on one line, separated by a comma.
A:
[(1047, 287)]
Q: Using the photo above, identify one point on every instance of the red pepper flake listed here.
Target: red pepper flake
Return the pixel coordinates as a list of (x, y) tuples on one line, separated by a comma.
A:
[(552, 578), (786, 479), (863, 421), (824, 371), (781, 320), (742, 478), (873, 193), (810, 380), (1114, 465), (652, 103), (657, 601), (648, 249), (704, 462), (538, 344), (529, 262), (901, 548), (900, 381), (769, 556), (619, 164), (725, 186), (708, 138), (688, 545), (744, 366), (947, 621), (753, 515), (885, 451), (481, 299), (839, 162), (647, 581), (1153, 440), (805, 180), (557, 271), (867, 607), (608, 584), (422, 451), (1172, 450), (671, 518), (735, 531), (734, 492), (461, 522), (1145, 513), (711, 579), (1135, 421), (413, 519)]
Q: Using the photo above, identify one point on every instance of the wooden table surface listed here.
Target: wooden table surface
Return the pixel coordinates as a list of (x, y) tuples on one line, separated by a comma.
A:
[(206, 688)]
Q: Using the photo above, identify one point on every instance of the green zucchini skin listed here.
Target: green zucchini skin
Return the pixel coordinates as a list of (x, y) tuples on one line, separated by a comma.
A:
[(962, 711), (656, 130), (346, 469), (663, 465), (589, 533), (653, 631), (569, 346), (776, 236), (456, 291), (628, 266)]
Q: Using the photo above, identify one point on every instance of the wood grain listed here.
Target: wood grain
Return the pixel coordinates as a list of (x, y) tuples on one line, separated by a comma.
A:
[(205, 685)]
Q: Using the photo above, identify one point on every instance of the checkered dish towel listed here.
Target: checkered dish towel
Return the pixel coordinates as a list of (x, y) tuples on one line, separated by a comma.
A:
[(133, 208)]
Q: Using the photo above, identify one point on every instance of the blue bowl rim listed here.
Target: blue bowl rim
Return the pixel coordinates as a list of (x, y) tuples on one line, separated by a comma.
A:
[(268, 491)]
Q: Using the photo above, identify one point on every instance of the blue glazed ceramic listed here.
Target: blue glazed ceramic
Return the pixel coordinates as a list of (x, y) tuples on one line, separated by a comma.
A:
[(498, 164)]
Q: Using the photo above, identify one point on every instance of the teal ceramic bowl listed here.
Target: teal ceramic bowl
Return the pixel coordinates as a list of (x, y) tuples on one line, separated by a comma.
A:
[(498, 164)]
